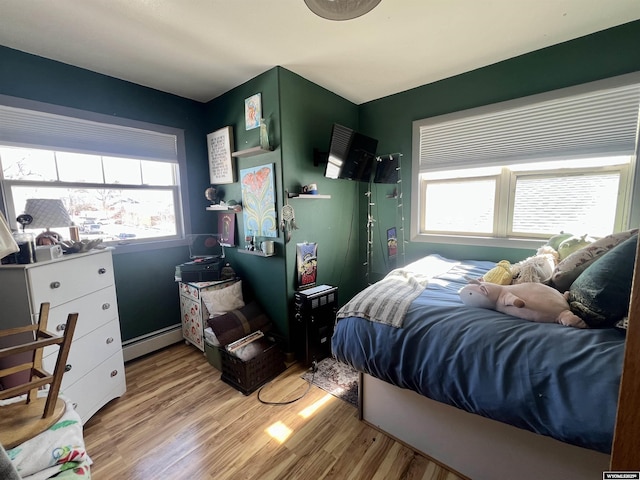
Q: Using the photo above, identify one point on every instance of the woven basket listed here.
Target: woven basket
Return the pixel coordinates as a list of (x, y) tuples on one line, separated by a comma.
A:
[(247, 376)]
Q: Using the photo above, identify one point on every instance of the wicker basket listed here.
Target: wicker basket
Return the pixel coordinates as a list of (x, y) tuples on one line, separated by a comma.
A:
[(248, 375)]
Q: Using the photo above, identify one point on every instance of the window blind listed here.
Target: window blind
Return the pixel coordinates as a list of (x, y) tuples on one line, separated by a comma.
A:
[(601, 122), (24, 127)]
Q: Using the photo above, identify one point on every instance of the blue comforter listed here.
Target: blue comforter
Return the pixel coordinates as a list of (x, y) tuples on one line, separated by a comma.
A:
[(553, 380)]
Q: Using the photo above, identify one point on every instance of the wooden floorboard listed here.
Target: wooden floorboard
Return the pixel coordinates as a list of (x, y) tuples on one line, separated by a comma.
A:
[(178, 420)]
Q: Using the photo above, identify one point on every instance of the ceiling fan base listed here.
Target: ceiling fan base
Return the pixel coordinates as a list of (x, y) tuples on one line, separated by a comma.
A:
[(340, 10)]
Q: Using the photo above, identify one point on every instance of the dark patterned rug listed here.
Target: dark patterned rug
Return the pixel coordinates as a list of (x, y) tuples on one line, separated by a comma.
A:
[(336, 378)]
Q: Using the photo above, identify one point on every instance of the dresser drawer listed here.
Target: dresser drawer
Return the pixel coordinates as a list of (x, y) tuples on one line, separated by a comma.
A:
[(63, 281), (94, 310), (104, 383), (88, 352)]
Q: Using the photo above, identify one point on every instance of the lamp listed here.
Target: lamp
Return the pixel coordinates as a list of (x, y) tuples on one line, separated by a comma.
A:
[(341, 9), (47, 213)]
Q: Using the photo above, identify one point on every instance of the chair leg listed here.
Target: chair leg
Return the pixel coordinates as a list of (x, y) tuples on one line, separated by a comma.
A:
[(61, 362), (43, 319)]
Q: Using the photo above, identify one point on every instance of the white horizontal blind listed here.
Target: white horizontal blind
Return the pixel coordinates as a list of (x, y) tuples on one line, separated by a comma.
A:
[(597, 123), (33, 128)]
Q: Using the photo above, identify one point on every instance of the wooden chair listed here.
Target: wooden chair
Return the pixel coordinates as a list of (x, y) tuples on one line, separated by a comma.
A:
[(23, 420)]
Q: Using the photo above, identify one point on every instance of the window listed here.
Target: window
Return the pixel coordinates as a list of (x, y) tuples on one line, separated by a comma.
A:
[(118, 183), (525, 170)]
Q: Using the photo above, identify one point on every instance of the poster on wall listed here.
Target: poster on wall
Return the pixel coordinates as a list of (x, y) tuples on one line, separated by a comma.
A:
[(252, 111), (307, 264), (392, 242), (227, 229), (220, 146), (258, 201)]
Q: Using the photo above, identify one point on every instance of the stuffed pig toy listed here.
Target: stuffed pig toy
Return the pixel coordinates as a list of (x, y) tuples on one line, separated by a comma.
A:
[(535, 302)]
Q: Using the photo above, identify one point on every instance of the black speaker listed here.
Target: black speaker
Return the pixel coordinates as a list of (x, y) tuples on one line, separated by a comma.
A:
[(315, 315)]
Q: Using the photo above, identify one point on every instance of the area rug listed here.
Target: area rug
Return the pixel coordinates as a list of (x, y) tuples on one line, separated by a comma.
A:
[(336, 378)]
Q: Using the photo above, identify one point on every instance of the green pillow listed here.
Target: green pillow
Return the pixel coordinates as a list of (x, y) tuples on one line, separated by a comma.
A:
[(601, 294)]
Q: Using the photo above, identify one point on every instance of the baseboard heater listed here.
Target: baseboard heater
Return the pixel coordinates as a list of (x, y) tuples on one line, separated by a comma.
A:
[(139, 346)]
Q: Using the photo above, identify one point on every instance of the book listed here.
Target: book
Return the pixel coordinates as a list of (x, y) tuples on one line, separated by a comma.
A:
[(233, 346), (253, 349)]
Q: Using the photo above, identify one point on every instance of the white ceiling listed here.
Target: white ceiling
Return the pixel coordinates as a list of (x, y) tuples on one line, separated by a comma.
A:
[(200, 49)]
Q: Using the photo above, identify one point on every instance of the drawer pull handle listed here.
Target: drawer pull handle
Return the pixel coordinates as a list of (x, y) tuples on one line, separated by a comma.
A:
[(55, 285), (61, 327), (106, 306), (75, 405), (67, 367), (109, 340), (102, 271), (114, 373)]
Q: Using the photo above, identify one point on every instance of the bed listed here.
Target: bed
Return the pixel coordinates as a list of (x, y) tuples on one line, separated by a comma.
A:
[(485, 394)]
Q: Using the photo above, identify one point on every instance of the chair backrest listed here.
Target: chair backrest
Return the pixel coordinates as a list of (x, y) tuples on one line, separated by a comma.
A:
[(37, 376)]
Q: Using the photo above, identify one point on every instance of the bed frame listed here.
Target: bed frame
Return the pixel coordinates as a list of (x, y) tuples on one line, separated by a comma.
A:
[(482, 449)]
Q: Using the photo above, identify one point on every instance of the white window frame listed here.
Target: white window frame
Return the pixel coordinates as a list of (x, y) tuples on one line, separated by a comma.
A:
[(129, 128), (505, 195)]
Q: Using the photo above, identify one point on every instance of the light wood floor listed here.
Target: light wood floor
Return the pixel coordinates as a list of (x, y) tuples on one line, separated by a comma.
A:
[(178, 420)]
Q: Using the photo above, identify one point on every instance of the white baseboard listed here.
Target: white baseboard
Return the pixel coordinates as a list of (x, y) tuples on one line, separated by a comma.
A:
[(137, 347)]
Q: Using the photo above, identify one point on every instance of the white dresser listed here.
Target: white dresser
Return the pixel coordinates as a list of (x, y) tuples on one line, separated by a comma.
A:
[(82, 283)]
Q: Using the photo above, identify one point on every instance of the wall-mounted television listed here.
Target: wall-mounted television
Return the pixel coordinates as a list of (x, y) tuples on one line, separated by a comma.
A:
[(351, 155)]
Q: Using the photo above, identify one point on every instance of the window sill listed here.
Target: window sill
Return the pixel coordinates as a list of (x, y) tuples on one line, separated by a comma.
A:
[(125, 246), (525, 243)]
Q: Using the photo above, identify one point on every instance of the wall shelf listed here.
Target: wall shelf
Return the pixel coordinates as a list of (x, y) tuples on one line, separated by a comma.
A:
[(257, 253), (250, 152), (307, 195)]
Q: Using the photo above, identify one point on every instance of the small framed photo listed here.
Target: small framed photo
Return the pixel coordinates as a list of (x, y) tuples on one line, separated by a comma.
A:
[(221, 166), (392, 243), (227, 229), (253, 111)]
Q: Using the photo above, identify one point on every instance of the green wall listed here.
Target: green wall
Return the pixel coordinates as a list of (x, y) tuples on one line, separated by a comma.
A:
[(147, 293), (601, 55), (300, 115), (263, 278), (308, 114)]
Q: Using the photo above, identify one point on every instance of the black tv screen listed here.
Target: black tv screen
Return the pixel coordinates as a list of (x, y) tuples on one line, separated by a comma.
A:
[(351, 155)]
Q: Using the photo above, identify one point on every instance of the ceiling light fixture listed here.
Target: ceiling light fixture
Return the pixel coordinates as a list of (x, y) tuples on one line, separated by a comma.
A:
[(341, 9)]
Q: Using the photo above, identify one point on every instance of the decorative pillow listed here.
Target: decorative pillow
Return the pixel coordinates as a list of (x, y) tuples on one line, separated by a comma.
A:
[(236, 324), (571, 267), (224, 299), (601, 294)]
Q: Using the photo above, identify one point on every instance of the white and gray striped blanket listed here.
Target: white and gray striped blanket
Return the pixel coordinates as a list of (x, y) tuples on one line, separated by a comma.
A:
[(388, 300)]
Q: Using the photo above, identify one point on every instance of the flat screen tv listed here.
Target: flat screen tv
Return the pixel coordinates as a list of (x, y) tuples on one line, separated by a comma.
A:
[(351, 155)]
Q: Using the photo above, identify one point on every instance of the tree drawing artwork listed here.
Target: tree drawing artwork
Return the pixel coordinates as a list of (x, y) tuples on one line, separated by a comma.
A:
[(258, 202)]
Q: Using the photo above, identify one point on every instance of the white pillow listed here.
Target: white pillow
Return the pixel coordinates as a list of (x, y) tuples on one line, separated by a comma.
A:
[(224, 299)]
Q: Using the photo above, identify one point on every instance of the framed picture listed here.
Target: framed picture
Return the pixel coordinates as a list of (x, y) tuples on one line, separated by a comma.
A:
[(221, 166), (253, 111), (392, 242), (258, 201), (227, 229), (307, 264)]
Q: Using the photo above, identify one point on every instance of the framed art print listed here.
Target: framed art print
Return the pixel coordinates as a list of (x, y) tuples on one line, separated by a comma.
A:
[(307, 264), (227, 229), (220, 146), (392, 242), (253, 111), (258, 201)]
